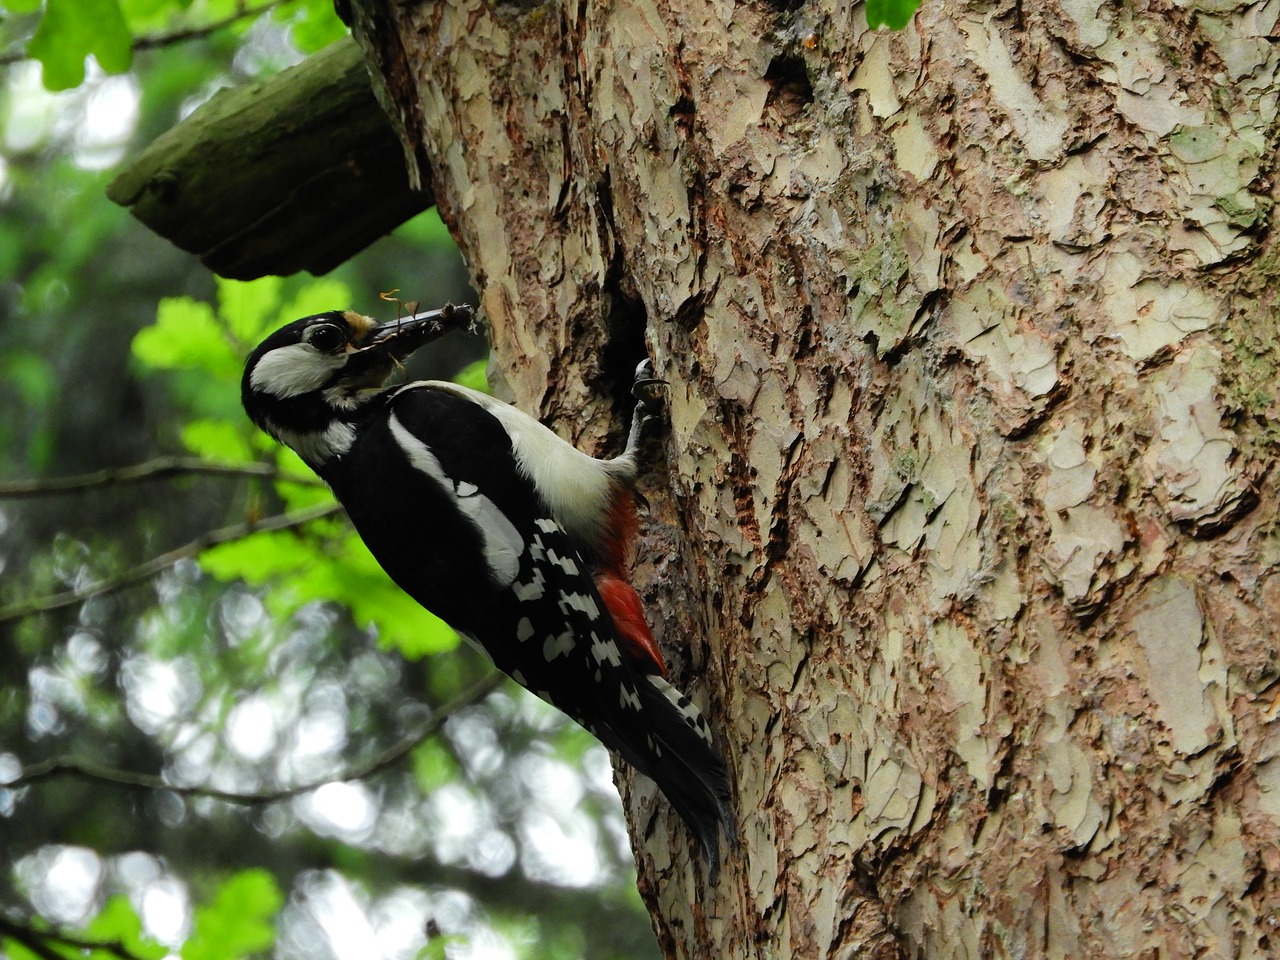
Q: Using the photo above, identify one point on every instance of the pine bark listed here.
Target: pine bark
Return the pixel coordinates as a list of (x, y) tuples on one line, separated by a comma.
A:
[(964, 530)]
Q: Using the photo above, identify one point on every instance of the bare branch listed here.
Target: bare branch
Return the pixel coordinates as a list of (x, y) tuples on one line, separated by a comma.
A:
[(161, 468), (144, 571), (168, 39), (88, 770)]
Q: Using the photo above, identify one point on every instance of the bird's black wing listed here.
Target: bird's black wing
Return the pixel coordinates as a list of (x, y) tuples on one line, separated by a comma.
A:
[(445, 495)]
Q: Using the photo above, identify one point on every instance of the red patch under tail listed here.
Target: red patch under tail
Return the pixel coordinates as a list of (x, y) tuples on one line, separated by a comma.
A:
[(624, 606), (614, 586)]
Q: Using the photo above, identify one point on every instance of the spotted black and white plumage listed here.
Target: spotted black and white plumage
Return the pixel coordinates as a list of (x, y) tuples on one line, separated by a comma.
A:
[(496, 525)]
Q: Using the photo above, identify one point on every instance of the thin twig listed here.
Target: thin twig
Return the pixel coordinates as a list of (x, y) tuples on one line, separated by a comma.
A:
[(38, 941), (88, 770), (161, 468), (168, 39), (197, 33), (31, 938), (147, 570)]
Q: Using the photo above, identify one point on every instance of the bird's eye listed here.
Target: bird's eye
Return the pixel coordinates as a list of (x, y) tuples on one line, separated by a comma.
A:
[(326, 337)]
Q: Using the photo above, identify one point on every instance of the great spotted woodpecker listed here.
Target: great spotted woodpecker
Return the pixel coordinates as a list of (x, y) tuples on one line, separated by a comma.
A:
[(489, 520)]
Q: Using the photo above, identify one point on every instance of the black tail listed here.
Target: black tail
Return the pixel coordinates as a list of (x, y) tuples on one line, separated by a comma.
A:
[(675, 751)]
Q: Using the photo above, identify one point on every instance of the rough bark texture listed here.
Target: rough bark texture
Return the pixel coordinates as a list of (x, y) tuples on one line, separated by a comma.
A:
[(966, 530)]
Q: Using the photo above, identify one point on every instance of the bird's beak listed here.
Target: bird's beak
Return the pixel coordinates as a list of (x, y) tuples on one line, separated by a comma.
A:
[(399, 338)]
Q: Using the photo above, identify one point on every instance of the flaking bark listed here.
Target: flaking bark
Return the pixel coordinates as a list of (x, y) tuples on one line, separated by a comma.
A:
[(965, 535)]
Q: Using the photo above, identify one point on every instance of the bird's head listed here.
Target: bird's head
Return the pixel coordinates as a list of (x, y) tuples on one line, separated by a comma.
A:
[(303, 383)]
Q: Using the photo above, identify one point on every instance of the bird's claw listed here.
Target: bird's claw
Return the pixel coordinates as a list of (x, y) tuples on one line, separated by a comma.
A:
[(647, 389)]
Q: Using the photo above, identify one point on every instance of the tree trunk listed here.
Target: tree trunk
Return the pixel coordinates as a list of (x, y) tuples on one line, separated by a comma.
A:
[(964, 532)]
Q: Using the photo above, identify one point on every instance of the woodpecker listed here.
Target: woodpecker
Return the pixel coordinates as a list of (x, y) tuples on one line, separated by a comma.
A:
[(511, 535)]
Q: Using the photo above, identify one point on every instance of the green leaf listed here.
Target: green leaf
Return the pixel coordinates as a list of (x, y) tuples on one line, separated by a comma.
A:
[(21, 6), (473, 375), (297, 496), (74, 29), (238, 920), (318, 297), (433, 765), (31, 374), (353, 578), (374, 599), (426, 228), (116, 925), (186, 336), (336, 569), (217, 440), (314, 24), (119, 923), (13, 950), (250, 309), (154, 15), (288, 461), (438, 946), (259, 558), (894, 14), (254, 309)]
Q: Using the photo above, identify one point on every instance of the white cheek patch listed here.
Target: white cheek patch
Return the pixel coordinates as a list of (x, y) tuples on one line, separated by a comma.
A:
[(293, 370)]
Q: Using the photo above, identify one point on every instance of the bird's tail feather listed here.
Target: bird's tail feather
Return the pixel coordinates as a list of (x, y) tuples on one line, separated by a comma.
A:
[(677, 753)]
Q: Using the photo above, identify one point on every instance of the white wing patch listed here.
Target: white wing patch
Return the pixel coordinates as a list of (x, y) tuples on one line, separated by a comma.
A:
[(534, 588), (560, 646), (606, 651), (567, 564), (581, 602), (503, 544), (293, 370)]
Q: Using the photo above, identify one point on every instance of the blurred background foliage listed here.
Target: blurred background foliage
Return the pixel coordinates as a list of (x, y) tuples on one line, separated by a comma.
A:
[(219, 740)]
